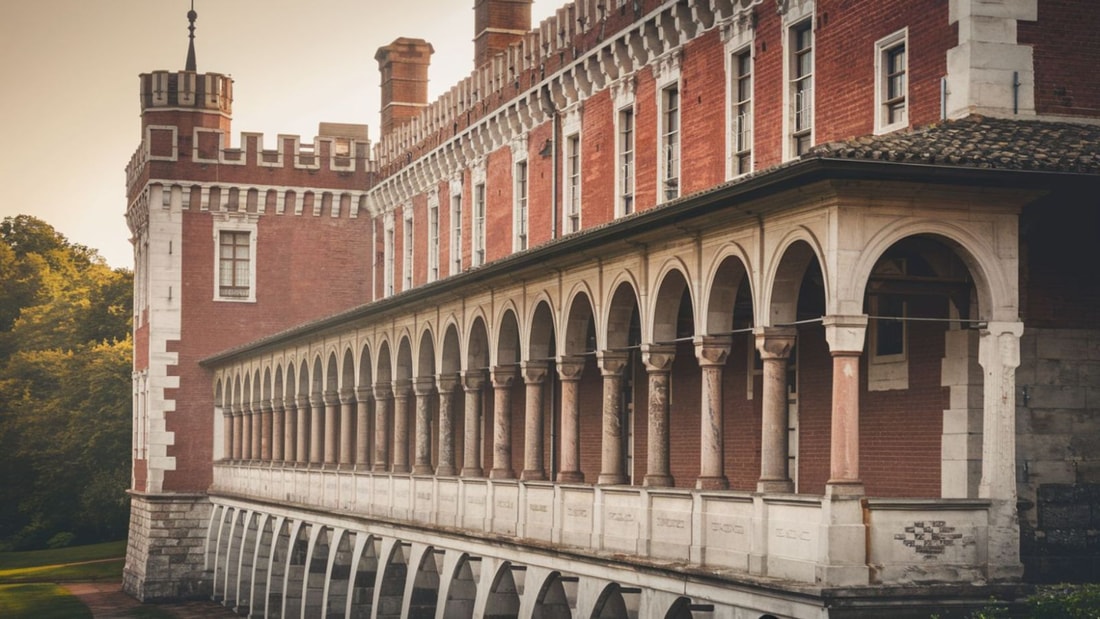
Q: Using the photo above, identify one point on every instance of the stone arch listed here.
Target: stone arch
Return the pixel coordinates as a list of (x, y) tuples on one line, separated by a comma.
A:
[(503, 601), (729, 283), (305, 414), (477, 346), (221, 552), (294, 581), (364, 413), (795, 255), (391, 589), (451, 354), (213, 532), (462, 590), (622, 318), (402, 392), (246, 562), (261, 565), (277, 384), (317, 556), (347, 370), (277, 560), (610, 604), (579, 324), (383, 373), (267, 386), (668, 307), (541, 340), (338, 579), (364, 577), (332, 374), (993, 280), (508, 346), (680, 609), (424, 596), (425, 357), (233, 556), (552, 601), (403, 369)]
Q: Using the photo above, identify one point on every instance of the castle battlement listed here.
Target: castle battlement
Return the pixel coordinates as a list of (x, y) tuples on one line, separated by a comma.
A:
[(187, 89), (573, 53), (328, 161)]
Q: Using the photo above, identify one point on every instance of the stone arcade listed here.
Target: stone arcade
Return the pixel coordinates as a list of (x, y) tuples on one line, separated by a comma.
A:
[(696, 308)]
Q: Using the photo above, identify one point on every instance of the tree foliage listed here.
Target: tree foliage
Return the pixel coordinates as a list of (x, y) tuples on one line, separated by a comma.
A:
[(65, 364)]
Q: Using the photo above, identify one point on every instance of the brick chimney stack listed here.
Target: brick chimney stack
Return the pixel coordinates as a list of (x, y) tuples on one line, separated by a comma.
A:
[(404, 67), (498, 24)]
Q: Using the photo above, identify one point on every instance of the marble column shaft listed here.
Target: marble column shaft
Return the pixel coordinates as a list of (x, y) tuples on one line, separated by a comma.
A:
[(382, 394), (446, 385), (658, 363), (362, 427), (473, 382), (534, 375), (503, 378), (401, 426), (712, 353), (347, 427), (278, 429), (424, 388), (570, 370), (775, 345), (303, 423), (612, 456)]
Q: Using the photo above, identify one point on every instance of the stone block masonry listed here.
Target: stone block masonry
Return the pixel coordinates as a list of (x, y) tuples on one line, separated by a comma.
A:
[(165, 552)]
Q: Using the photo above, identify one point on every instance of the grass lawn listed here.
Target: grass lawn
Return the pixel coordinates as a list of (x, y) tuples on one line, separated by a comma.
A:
[(75, 554), (79, 563), (40, 600)]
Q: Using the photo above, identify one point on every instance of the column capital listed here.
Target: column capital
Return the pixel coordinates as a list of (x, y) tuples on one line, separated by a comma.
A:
[(775, 342), (382, 390), (534, 372), (996, 350), (401, 387), (303, 401), (712, 349), (347, 395), (503, 375), (265, 406), (570, 367), (278, 404), (473, 379), (446, 382), (658, 357), (331, 397), (845, 333), (423, 385), (317, 399), (612, 361), (363, 393)]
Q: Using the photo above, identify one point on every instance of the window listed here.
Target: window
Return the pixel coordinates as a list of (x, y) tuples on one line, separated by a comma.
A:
[(479, 225), (801, 43), (670, 142), (387, 250), (235, 265), (741, 113), (407, 263), (433, 239), (520, 217), (887, 365), (891, 84), (573, 183), (626, 161), (456, 234)]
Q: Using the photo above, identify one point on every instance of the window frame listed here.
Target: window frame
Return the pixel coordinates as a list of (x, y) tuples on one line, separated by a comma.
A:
[(520, 237), (572, 177), (408, 253), (433, 237), (235, 227), (626, 167), (456, 231), (477, 253), (886, 101), (669, 146), (800, 88), (741, 107)]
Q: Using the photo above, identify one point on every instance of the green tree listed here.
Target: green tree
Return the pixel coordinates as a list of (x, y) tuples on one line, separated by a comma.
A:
[(65, 363)]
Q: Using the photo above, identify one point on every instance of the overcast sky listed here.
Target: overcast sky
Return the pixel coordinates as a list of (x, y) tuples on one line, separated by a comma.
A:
[(69, 114)]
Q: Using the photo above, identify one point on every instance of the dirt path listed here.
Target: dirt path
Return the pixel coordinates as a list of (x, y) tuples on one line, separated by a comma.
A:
[(107, 601)]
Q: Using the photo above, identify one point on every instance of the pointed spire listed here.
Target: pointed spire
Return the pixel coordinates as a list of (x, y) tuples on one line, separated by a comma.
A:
[(191, 16)]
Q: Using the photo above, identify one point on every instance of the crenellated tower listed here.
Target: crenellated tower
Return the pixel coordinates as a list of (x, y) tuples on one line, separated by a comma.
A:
[(230, 243)]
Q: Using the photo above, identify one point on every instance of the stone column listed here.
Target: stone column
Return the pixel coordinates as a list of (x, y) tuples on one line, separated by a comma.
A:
[(362, 427), (473, 382), (999, 356), (712, 351), (382, 393), (503, 377), (278, 430), (227, 433), (775, 345), (238, 432), (347, 427), (302, 448), (256, 431), (317, 428), (290, 437), (332, 427), (246, 432), (612, 460), (266, 423), (401, 426), (658, 364), (423, 387), (534, 374), (446, 385), (570, 370), (845, 335)]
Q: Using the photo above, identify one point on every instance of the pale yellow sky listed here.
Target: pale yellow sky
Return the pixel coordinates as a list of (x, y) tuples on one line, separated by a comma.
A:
[(69, 112)]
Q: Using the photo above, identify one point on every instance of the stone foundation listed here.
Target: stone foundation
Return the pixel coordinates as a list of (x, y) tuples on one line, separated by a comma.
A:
[(165, 552)]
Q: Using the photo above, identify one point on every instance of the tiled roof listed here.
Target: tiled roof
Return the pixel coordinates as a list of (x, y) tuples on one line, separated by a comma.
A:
[(980, 142)]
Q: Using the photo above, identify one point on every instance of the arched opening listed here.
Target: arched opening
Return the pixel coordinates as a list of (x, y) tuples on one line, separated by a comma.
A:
[(348, 402), (610, 604), (257, 600), (582, 396), (402, 410), (680, 609), (673, 422), (541, 402), (295, 580), (392, 593), (250, 531), (475, 414), (462, 592), (383, 417), (447, 384), (364, 411), (366, 573), (624, 375), (315, 573), (280, 552), (427, 413), (339, 578), (503, 599), (425, 593), (508, 379), (552, 601)]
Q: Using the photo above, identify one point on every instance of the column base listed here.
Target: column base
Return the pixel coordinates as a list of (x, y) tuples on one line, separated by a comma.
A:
[(472, 471), (379, 468), (844, 489), (533, 475), (502, 474), (612, 479), (570, 477), (445, 471), (401, 469), (423, 469), (778, 486), (658, 481), (712, 483)]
